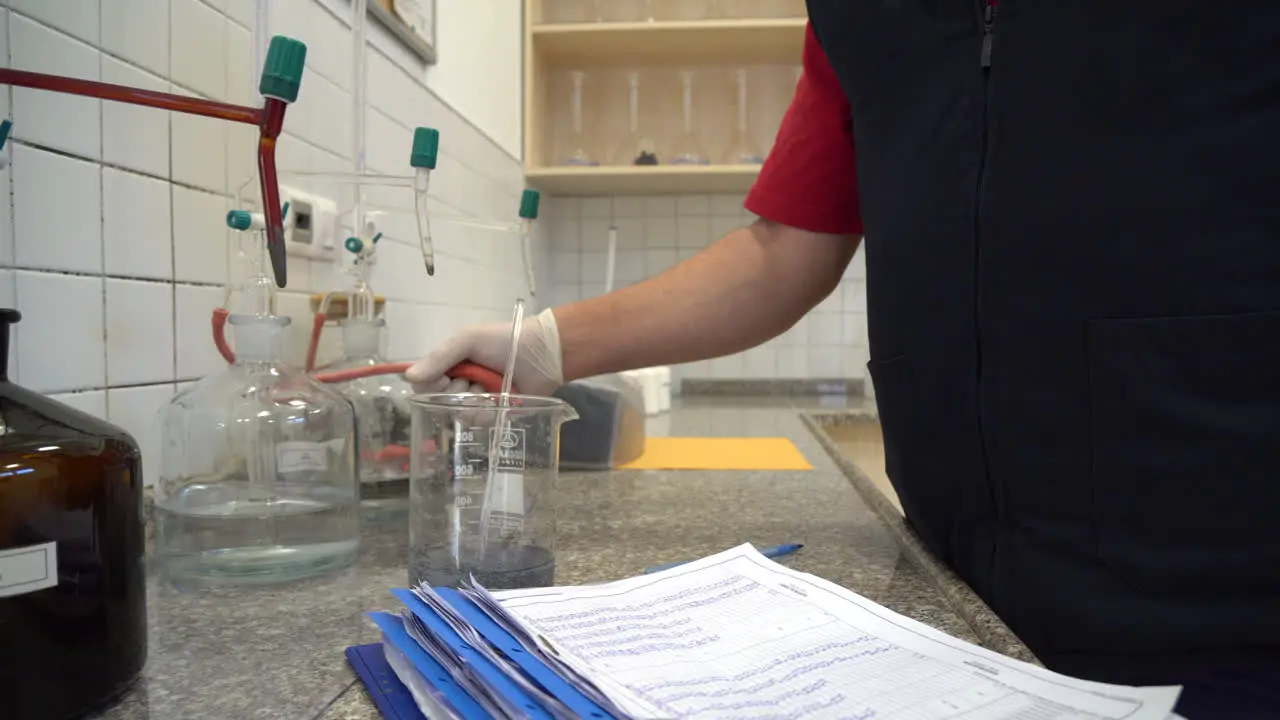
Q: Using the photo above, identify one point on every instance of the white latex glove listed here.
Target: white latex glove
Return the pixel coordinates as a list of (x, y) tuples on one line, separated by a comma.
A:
[(539, 367)]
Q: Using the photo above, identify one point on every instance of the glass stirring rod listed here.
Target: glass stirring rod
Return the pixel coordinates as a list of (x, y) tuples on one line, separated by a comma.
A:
[(491, 489)]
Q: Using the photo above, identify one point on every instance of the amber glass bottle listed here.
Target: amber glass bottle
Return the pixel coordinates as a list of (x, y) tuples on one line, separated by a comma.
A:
[(73, 621)]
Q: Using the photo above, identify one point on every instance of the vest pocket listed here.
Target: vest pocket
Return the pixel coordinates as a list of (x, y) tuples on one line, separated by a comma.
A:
[(1185, 416)]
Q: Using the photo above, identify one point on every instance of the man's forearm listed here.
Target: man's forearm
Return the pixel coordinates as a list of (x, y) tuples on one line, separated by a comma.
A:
[(749, 286)]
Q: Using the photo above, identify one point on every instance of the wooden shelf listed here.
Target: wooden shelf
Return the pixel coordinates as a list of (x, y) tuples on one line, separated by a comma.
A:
[(778, 40), (632, 180)]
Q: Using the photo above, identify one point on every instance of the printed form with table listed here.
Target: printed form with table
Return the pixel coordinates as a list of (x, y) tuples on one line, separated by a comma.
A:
[(733, 635)]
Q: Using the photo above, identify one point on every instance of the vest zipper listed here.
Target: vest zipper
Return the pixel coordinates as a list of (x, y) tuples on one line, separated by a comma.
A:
[(988, 26), (987, 10)]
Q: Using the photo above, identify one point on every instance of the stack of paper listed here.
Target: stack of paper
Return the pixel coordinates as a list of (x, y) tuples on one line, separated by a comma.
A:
[(734, 635)]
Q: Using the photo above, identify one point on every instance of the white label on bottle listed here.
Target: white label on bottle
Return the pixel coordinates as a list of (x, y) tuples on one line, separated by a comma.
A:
[(301, 457), (26, 570)]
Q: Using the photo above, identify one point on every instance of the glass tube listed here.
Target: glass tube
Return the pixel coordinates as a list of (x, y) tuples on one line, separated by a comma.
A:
[(686, 150)]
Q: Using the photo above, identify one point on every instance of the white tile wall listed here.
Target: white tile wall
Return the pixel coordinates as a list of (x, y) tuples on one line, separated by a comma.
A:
[(112, 240), (656, 232)]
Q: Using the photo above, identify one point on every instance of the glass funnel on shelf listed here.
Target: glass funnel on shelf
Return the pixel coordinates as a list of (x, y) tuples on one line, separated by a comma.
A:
[(636, 148), (742, 148), (687, 150), (258, 476)]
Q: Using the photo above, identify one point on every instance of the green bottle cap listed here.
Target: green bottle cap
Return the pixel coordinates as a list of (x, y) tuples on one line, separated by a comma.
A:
[(529, 201), (354, 245), (5, 127), (283, 72), (239, 220), (426, 145)]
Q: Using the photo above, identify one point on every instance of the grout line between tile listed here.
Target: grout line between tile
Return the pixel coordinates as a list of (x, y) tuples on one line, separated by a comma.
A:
[(102, 234)]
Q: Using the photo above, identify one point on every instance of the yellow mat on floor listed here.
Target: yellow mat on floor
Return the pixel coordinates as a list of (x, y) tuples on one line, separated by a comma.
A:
[(719, 453)]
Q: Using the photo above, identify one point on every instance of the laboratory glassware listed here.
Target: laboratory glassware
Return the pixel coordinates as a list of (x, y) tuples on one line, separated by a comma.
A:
[(281, 78), (636, 147), (258, 479), (742, 150), (686, 150), (681, 10), (256, 292), (381, 404), (625, 10), (422, 158), (73, 620), (451, 439), (576, 152)]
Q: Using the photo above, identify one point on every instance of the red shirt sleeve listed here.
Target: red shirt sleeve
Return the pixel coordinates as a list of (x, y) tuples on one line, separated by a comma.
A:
[(809, 180)]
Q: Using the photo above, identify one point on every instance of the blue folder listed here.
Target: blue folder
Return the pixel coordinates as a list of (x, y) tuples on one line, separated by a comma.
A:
[(392, 698), (431, 671), (395, 701)]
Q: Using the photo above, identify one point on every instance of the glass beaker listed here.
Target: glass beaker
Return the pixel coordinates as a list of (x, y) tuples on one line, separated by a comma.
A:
[(258, 478), (505, 537)]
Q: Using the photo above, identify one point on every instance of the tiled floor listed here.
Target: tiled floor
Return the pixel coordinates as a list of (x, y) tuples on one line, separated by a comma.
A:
[(863, 444)]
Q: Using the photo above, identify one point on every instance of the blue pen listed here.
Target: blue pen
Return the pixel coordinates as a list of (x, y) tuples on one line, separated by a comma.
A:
[(776, 551)]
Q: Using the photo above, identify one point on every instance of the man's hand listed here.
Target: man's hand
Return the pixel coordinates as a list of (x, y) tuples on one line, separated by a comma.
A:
[(538, 363)]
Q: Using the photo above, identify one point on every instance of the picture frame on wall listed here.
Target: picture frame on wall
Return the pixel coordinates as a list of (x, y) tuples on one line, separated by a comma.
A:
[(413, 22)]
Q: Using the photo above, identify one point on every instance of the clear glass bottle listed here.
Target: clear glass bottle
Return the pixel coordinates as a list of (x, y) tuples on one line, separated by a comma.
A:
[(576, 152), (686, 149), (258, 479), (474, 511), (381, 404), (742, 149), (636, 147), (73, 616)]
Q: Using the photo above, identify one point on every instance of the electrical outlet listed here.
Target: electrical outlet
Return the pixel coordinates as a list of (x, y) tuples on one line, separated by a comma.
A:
[(311, 228)]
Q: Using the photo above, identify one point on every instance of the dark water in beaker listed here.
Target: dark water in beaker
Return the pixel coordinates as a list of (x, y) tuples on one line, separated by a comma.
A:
[(527, 566)]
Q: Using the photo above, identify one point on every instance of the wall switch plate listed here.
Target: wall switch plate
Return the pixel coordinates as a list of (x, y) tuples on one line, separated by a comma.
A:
[(311, 228)]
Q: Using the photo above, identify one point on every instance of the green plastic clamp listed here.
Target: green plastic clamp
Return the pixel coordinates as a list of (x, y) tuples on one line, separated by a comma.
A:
[(353, 245), (529, 202), (426, 148), (282, 74)]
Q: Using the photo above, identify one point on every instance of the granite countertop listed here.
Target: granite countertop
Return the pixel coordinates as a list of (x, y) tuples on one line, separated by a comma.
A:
[(277, 653)]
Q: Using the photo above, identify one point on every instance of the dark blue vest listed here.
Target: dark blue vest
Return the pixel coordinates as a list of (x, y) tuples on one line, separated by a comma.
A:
[(1072, 213)]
